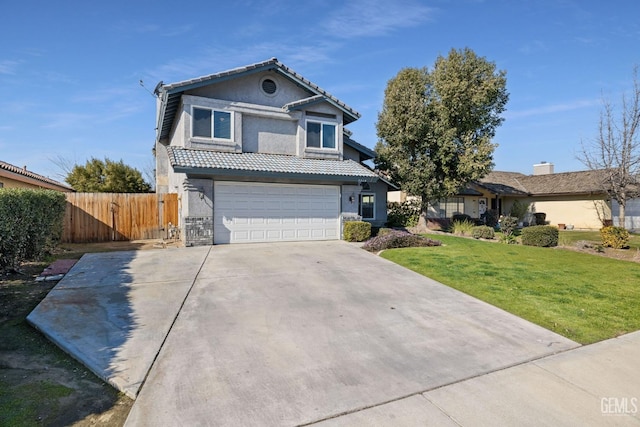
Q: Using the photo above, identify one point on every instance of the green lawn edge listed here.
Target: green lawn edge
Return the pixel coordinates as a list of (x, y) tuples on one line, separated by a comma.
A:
[(583, 297)]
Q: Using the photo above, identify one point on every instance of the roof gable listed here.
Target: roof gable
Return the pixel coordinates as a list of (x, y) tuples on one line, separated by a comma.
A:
[(170, 94)]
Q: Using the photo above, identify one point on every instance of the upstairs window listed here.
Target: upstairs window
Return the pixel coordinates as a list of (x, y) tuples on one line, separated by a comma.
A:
[(321, 135), (211, 123)]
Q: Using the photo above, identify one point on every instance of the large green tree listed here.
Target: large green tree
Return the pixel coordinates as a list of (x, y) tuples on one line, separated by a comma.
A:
[(436, 126), (107, 176)]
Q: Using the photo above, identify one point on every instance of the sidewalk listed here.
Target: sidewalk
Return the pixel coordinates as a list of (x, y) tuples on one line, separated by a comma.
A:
[(594, 385)]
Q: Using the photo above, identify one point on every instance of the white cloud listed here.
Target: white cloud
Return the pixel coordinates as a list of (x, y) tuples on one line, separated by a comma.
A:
[(9, 66), (553, 108), (370, 18), (215, 60)]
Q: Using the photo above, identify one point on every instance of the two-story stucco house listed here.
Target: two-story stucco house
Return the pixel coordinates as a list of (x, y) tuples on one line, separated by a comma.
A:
[(261, 154)]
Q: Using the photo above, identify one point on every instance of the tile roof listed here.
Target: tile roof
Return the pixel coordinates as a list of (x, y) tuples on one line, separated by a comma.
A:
[(26, 173), (303, 102), (216, 161)]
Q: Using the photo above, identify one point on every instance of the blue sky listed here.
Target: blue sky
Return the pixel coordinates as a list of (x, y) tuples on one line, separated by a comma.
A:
[(70, 71)]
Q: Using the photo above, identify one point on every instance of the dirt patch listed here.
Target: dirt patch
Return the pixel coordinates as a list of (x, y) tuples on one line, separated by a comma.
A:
[(39, 383), (632, 255)]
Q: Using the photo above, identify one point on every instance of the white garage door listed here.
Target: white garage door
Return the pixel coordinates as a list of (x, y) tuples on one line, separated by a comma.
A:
[(246, 212)]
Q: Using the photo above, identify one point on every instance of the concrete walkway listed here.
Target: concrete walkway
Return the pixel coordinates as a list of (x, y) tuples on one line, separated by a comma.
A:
[(321, 333)]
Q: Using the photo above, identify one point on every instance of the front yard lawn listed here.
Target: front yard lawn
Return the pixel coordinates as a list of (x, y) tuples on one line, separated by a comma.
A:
[(584, 297)]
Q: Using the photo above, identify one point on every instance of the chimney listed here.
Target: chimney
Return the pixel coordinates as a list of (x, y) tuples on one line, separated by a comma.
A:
[(543, 168)]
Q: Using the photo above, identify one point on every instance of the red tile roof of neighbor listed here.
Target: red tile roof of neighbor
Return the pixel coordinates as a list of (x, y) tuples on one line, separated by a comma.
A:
[(47, 182)]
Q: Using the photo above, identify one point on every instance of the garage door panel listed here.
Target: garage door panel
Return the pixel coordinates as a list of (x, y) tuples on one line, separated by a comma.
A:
[(257, 212)]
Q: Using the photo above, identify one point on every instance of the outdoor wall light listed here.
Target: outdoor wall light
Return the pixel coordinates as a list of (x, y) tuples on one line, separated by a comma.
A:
[(352, 198)]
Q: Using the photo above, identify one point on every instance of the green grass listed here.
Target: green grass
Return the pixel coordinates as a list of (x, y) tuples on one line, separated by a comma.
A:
[(21, 406), (584, 297)]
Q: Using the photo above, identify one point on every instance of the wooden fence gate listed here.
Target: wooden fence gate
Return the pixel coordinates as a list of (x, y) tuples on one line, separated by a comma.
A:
[(103, 217)]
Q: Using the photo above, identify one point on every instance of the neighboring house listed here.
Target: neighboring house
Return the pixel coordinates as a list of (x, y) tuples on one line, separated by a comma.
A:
[(260, 154), (15, 177), (570, 198)]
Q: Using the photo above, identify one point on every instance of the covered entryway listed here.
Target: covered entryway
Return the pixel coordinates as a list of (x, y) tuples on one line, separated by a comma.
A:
[(248, 212)]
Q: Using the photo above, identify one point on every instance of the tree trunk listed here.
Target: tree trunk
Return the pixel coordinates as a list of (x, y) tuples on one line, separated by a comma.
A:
[(621, 214), (422, 221)]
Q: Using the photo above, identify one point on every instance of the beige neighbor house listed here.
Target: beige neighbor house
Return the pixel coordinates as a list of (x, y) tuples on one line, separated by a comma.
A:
[(569, 199), (15, 177), (261, 154)]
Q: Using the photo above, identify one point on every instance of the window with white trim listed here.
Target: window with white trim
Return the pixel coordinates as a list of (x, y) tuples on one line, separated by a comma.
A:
[(447, 208), (367, 208), (321, 135), (208, 123)]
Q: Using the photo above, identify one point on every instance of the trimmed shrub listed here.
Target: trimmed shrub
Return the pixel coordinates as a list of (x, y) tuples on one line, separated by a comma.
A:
[(483, 232), (405, 214), (398, 239), (614, 237), (30, 223), (356, 231), (540, 235), (462, 228)]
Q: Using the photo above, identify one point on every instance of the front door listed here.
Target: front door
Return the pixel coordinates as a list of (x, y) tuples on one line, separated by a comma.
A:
[(482, 206)]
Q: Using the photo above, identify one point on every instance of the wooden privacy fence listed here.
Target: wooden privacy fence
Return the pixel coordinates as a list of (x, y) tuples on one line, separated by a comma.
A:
[(103, 217)]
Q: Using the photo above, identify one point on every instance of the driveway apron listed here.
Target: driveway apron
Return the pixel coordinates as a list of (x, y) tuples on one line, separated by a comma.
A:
[(295, 333), (112, 311)]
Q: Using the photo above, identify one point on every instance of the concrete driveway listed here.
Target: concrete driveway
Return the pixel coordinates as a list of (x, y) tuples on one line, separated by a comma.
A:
[(280, 334)]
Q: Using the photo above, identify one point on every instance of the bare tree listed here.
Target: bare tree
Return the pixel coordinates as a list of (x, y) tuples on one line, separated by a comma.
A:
[(616, 150)]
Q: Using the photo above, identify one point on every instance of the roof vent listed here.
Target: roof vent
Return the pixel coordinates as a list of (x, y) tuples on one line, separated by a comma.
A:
[(269, 86)]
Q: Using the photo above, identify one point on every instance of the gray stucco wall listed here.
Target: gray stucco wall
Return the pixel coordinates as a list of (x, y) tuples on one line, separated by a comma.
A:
[(350, 153), (269, 135), (162, 169), (248, 89), (349, 193), (380, 190)]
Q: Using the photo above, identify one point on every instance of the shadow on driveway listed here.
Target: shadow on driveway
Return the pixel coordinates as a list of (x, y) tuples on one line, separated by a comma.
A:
[(113, 310)]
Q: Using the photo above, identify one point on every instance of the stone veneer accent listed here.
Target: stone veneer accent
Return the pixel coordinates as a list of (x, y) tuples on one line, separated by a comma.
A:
[(198, 231)]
